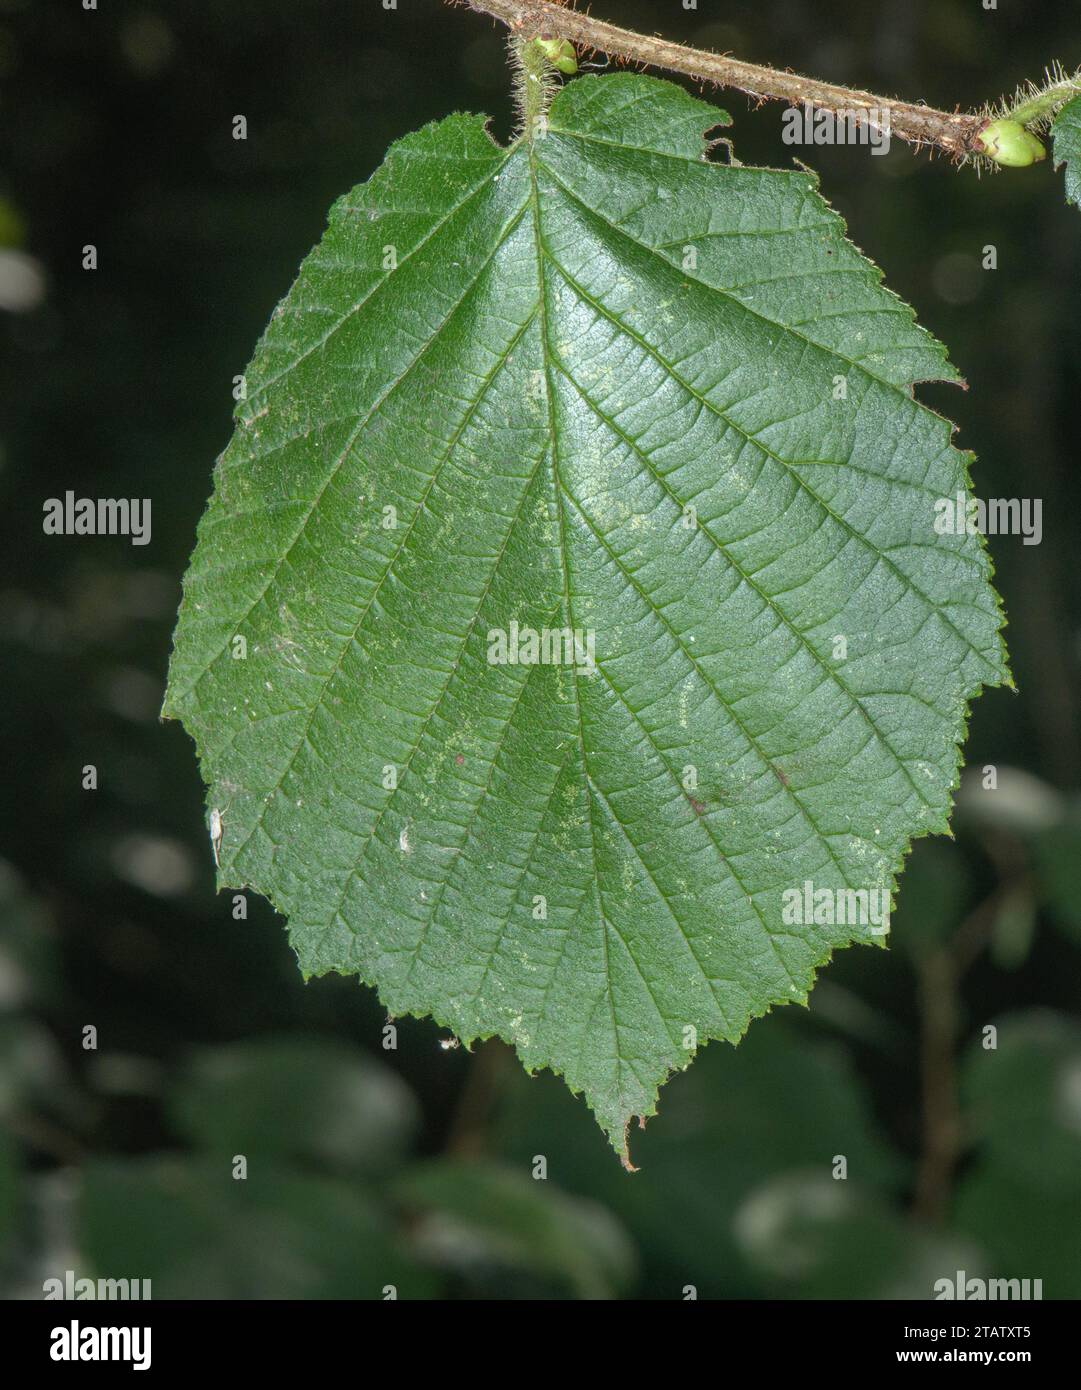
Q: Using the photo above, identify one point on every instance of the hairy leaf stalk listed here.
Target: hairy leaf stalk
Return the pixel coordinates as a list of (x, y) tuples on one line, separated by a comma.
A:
[(957, 133)]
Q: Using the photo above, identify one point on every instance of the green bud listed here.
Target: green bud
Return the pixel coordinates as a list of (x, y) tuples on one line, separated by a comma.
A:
[(1010, 144), (560, 53)]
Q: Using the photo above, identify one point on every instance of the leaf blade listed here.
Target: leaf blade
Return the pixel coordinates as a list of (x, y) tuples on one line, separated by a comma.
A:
[(581, 381), (1066, 147)]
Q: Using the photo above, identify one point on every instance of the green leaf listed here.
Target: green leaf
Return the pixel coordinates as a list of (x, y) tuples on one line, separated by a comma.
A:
[(717, 1145), (483, 1217), (1066, 147), (1020, 1229), (1023, 1097), (196, 1232), (1021, 1190), (295, 1098), (585, 335), (1055, 851), (810, 1236)]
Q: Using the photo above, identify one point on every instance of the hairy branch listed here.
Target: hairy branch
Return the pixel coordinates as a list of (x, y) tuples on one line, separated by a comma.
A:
[(958, 133)]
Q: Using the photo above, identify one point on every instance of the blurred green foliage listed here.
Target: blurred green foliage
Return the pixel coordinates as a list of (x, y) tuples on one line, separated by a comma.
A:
[(415, 1166)]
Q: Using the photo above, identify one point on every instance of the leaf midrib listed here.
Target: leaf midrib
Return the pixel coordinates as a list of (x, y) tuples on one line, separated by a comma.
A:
[(557, 483)]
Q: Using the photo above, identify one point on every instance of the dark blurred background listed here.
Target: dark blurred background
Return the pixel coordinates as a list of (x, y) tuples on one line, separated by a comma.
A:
[(414, 1167)]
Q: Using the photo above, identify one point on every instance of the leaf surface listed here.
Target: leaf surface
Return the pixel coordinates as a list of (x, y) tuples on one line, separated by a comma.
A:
[(1066, 147), (594, 383)]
